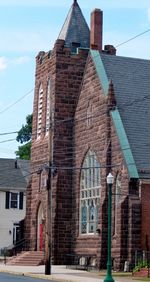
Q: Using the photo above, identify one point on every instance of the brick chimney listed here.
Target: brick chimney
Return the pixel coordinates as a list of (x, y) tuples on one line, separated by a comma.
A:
[(110, 49), (96, 35)]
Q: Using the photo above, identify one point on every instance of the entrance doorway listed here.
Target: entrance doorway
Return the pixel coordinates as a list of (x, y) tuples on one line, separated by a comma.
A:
[(16, 233), (40, 229)]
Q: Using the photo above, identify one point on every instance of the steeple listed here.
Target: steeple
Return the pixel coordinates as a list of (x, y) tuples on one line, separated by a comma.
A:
[(75, 30)]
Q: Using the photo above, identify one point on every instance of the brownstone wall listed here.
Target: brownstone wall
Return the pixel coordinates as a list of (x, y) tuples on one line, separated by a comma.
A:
[(101, 138), (72, 137), (69, 73), (120, 234), (39, 152), (145, 230), (128, 236), (94, 137)]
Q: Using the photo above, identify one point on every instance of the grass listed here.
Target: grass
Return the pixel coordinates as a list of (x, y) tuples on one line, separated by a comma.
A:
[(125, 274), (118, 274), (141, 279)]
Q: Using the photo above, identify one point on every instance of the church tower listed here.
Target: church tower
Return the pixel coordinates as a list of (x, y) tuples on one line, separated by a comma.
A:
[(58, 79)]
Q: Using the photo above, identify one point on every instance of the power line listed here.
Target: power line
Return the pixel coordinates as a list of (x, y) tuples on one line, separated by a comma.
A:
[(132, 38), (75, 120), (7, 133), (8, 140), (17, 101)]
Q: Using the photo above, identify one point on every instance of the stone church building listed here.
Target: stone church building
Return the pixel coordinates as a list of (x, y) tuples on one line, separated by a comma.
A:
[(90, 117)]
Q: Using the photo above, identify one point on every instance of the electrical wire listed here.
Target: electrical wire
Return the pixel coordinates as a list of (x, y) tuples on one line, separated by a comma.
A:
[(76, 120), (8, 133), (73, 120), (132, 38), (9, 140), (17, 101)]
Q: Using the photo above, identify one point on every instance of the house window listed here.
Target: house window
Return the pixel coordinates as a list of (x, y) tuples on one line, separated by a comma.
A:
[(40, 106), (48, 106), (89, 194), (14, 200)]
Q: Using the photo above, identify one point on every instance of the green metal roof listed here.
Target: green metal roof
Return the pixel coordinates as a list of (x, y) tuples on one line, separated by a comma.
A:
[(100, 70), (124, 144), (125, 147)]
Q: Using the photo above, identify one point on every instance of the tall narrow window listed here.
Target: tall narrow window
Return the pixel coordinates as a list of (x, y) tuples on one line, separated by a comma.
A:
[(89, 113), (48, 107), (40, 106), (89, 194), (117, 199)]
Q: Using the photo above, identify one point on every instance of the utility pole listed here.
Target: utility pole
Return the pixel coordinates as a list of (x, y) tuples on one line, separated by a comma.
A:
[(48, 224)]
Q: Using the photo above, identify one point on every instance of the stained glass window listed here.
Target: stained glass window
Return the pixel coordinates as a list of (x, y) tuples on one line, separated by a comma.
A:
[(89, 194)]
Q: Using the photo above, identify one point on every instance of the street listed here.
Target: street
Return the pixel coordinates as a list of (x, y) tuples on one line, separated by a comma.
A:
[(19, 278)]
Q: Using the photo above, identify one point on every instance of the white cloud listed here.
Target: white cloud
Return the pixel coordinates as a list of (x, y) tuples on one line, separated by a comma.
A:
[(20, 60), (6, 62), (1, 104), (148, 13), (28, 41), (3, 63)]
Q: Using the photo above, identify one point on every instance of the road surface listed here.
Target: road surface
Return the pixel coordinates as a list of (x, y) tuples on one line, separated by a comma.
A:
[(4, 277)]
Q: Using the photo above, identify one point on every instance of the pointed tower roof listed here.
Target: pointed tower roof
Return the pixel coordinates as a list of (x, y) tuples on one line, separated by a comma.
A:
[(75, 28)]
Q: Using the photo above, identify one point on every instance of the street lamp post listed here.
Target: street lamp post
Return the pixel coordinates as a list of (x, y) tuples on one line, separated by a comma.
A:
[(108, 277)]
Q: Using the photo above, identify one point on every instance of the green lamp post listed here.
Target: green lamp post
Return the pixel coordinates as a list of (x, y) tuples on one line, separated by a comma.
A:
[(108, 277)]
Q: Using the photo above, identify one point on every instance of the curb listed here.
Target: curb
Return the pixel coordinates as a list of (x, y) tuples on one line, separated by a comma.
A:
[(38, 276)]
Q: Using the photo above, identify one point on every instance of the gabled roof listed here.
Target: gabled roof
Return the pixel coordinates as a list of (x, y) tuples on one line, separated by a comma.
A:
[(75, 28), (14, 174), (131, 81)]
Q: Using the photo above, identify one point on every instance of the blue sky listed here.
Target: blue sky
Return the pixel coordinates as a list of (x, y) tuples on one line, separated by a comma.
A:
[(29, 26)]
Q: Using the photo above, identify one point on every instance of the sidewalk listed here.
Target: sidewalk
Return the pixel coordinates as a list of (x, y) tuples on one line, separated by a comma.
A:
[(59, 273)]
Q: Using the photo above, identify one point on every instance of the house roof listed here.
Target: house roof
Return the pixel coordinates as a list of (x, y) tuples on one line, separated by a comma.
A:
[(14, 174), (131, 80), (75, 28)]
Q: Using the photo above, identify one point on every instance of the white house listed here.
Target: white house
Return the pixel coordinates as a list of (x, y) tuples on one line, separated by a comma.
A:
[(14, 175)]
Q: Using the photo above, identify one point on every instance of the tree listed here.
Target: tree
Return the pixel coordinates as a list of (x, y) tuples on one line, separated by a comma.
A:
[(24, 136)]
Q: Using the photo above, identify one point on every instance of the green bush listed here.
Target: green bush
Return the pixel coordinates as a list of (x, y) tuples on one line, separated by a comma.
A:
[(141, 264)]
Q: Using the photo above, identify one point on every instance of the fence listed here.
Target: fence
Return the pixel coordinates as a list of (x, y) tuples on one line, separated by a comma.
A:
[(142, 261), (81, 261)]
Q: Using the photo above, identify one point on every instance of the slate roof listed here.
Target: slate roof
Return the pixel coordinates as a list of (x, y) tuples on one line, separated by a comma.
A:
[(131, 80), (75, 28), (12, 177)]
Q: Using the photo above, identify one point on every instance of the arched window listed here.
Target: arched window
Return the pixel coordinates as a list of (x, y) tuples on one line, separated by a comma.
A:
[(40, 106), (89, 194), (48, 107)]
